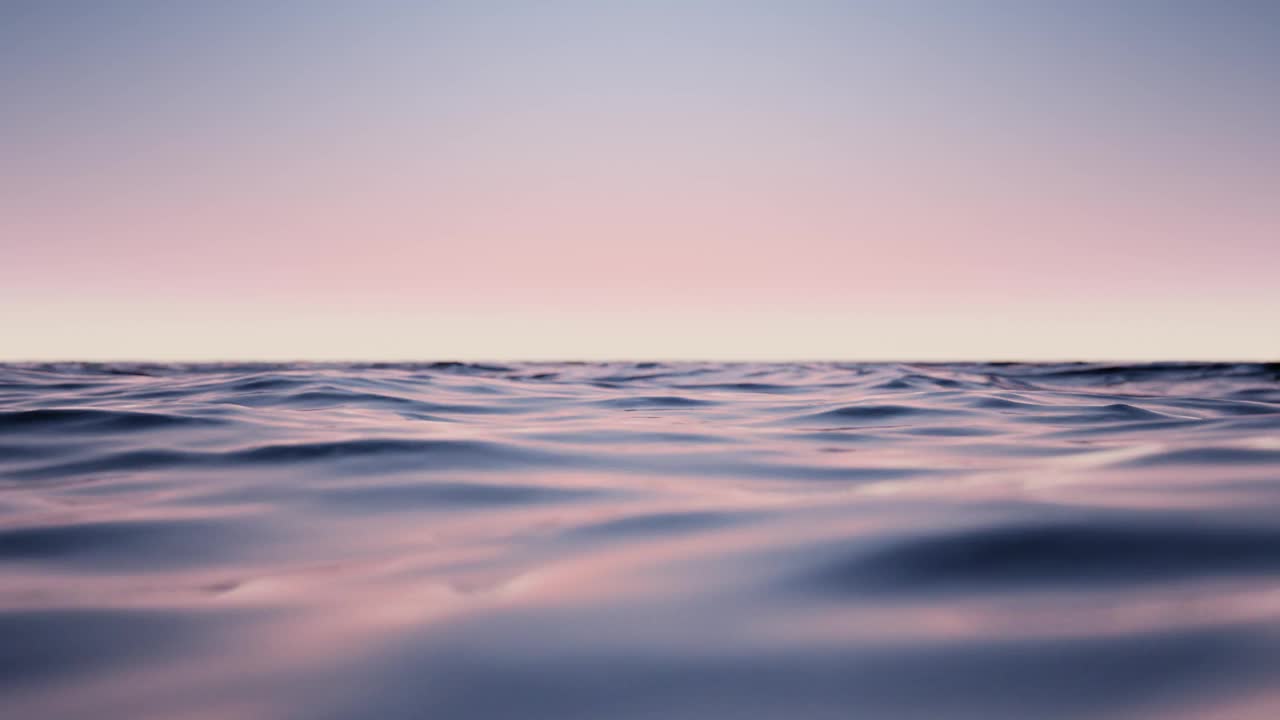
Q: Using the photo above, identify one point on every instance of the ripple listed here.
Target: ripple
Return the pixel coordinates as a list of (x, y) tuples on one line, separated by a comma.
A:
[(971, 541), (89, 420), (1212, 456), (419, 496), (1080, 554), (874, 414), (124, 545), (654, 401), (437, 452), (664, 524), (388, 454)]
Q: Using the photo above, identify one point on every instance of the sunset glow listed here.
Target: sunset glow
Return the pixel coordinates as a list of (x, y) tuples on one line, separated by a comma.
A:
[(917, 180)]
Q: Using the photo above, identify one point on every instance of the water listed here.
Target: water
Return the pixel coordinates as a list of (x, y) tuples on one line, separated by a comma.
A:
[(640, 541)]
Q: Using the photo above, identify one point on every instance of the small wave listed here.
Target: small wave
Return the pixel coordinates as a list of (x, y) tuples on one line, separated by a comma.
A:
[(130, 460), (320, 399), (469, 368), (93, 420), (392, 454), (660, 524), (873, 414), (1213, 456), (418, 496), (750, 387), (470, 452), (654, 401), (133, 545), (630, 438), (1058, 555), (1112, 413)]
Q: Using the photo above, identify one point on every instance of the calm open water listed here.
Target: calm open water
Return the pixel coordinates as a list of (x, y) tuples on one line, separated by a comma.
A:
[(640, 541)]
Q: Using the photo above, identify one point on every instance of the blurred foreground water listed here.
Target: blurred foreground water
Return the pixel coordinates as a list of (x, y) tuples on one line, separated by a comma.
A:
[(640, 541)]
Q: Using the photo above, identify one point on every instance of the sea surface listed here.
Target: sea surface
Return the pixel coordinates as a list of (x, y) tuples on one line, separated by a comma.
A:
[(640, 540)]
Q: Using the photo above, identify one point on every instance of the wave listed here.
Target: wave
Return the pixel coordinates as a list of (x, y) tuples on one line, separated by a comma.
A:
[(423, 454), (637, 540), (94, 420), (1054, 555), (874, 413)]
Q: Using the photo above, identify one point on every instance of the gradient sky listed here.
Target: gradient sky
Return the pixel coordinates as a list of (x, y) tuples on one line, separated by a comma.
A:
[(902, 179)]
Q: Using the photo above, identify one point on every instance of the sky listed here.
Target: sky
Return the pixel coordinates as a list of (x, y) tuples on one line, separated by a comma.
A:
[(639, 179)]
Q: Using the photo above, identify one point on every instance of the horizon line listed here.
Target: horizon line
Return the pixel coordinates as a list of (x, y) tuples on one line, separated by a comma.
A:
[(551, 361)]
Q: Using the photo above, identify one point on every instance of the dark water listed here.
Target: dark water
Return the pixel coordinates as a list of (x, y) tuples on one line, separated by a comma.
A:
[(640, 541)]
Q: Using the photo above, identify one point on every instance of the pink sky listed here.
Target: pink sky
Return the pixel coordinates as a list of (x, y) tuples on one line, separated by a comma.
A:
[(638, 184)]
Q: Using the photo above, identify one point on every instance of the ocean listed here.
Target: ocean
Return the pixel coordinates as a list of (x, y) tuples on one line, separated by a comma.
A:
[(640, 540)]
